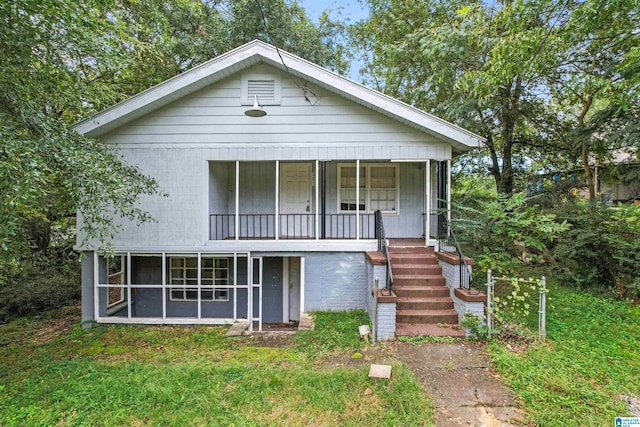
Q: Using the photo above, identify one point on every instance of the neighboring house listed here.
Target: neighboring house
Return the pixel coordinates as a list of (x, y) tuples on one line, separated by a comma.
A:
[(265, 215), (617, 180)]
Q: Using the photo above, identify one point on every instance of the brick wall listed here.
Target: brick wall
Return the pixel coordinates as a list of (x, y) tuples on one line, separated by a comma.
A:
[(386, 326), (335, 281)]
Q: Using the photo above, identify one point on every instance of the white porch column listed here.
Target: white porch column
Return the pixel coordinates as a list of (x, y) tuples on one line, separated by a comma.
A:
[(199, 275), (317, 231), (235, 286), (237, 227), (427, 196), (357, 199), (277, 210), (96, 281), (128, 284), (164, 285), (448, 195)]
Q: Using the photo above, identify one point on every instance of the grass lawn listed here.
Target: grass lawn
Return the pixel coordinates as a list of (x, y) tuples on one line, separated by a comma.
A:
[(590, 359), (128, 375)]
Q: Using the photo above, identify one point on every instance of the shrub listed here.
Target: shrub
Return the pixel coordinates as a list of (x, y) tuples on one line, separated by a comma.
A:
[(508, 232), (42, 283), (602, 248)]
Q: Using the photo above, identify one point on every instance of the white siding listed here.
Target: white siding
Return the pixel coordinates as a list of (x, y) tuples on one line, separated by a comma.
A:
[(332, 128)]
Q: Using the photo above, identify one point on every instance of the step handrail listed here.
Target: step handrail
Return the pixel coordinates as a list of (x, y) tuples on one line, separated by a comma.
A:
[(383, 246), (447, 242)]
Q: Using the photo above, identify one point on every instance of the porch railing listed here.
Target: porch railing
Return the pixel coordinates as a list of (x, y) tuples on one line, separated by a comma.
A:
[(291, 226), (383, 246), (447, 242)]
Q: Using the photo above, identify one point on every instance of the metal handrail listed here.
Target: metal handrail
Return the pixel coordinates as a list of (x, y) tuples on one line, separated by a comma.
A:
[(383, 246), (447, 242)]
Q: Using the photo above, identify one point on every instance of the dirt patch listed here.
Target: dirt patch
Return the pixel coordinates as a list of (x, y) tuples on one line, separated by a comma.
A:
[(280, 339), (633, 404), (55, 327), (379, 354)]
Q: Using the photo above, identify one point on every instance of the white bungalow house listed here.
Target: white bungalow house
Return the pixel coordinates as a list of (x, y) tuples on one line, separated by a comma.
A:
[(272, 215)]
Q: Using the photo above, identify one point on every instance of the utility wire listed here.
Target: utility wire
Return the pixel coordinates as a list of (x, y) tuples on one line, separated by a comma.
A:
[(304, 89), (546, 37)]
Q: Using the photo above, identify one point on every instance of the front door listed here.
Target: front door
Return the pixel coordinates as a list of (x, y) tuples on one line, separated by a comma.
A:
[(296, 220), (294, 288)]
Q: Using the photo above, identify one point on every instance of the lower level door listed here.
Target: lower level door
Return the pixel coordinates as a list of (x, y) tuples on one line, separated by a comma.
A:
[(294, 288)]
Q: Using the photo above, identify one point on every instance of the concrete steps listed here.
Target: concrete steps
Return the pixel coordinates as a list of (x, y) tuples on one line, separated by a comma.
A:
[(421, 291), (427, 316), (408, 330), (424, 305)]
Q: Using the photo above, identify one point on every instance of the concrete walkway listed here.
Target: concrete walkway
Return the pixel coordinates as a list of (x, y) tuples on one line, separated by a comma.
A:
[(458, 379)]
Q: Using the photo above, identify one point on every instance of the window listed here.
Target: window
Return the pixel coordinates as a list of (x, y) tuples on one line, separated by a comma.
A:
[(378, 188), (184, 272)]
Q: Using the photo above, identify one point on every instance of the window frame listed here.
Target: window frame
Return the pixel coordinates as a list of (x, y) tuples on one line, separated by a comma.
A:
[(366, 189), (190, 284), (115, 306)]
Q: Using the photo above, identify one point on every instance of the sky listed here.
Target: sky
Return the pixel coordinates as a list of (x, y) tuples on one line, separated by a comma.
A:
[(349, 9)]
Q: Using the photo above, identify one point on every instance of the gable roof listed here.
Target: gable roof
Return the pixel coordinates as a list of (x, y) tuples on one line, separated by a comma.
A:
[(257, 52)]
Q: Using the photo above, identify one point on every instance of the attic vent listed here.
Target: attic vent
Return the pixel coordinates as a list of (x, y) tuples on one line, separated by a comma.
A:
[(265, 90)]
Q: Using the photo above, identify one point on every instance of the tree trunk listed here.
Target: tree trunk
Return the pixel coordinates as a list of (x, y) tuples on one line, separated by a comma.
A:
[(588, 173), (584, 154)]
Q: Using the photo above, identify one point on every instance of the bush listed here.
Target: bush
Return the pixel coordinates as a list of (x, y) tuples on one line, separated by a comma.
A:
[(43, 283), (602, 248), (506, 233)]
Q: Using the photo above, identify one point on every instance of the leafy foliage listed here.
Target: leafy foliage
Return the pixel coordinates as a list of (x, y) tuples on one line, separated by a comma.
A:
[(41, 284), (507, 232), (548, 81), (516, 302), (602, 248), (63, 60)]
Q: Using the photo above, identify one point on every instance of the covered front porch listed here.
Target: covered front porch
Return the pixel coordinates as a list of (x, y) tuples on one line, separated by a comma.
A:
[(327, 200)]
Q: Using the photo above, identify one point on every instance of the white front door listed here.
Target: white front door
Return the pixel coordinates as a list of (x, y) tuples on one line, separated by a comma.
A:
[(296, 220)]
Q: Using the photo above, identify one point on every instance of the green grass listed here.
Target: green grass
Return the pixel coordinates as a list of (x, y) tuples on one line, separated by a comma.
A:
[(127, 375), (591, 357)]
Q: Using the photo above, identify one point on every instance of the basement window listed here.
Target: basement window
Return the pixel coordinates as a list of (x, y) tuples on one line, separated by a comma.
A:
[(183, 278)]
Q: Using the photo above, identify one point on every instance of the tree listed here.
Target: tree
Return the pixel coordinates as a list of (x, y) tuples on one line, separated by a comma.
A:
[(52, 53), (510, 71), (63, 60), (593, 80)]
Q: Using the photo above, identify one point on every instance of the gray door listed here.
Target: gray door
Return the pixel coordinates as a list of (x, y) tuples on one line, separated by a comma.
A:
[(294, 288)]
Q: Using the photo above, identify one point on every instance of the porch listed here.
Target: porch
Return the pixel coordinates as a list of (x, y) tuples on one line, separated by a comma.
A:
[(139, 287), (326, 200)]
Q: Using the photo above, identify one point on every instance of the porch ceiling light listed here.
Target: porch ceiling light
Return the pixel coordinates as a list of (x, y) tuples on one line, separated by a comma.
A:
[(256, 110)]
